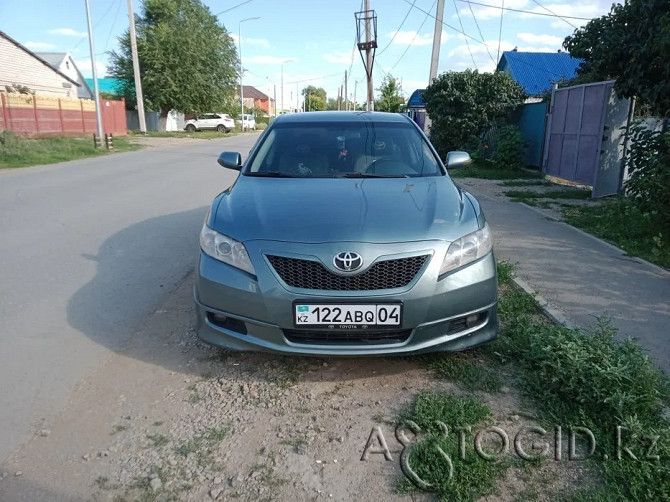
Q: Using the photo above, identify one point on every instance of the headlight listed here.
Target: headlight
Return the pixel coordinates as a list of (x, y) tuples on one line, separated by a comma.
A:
[(223, 248), (467, 249)]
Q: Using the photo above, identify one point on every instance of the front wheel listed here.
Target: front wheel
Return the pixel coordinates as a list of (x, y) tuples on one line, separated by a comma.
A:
[(190, 128), (221, 128)]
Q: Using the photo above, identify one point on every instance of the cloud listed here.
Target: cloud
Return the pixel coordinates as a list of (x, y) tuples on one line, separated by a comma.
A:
[(258, 42), (532, 38), (39, 46), (68, 32), (338, 57), (412, 37), (84, 66), (268, 60)]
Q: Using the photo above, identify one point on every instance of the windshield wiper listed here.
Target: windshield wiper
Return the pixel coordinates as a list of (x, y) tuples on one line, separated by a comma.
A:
[(272, 174), (370, 175)]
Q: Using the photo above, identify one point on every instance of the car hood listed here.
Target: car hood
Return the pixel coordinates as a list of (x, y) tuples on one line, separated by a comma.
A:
[(313, 210)]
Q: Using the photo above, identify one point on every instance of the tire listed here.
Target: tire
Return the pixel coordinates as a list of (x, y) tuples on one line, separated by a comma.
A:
[(221, 128), (190, 128)]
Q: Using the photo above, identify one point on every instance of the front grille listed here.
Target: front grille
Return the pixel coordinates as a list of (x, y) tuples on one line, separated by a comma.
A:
[(385, 274), (358, 337)]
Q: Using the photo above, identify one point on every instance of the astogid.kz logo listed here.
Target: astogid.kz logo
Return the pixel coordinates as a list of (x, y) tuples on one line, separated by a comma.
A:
[(492, 444)]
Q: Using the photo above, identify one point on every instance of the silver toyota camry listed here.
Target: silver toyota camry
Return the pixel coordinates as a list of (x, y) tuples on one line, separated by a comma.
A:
[(344, 235)]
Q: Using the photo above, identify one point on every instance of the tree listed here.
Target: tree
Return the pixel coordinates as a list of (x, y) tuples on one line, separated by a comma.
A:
[(188, 61), (390, 99), (462, 104), (331, 104), (314, 98), (630, 44)]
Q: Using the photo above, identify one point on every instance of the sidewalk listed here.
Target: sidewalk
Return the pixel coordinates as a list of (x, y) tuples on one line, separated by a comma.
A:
[(579, 275)]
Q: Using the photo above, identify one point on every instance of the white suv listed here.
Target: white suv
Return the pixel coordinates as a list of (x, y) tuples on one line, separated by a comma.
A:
[(219, 121), (248, 122)]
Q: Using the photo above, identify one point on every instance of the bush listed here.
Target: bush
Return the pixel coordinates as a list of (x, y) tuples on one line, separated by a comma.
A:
[(464, 104), (649, 171), (508, 153)]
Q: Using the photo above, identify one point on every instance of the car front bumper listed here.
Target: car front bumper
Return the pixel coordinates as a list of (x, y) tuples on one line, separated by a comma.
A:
[(243, 312)]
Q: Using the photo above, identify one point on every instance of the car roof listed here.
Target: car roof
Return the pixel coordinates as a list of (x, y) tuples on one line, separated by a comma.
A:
[(340, 116)]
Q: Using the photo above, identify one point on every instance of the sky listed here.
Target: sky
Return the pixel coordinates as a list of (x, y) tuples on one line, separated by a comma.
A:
[(312, 42)]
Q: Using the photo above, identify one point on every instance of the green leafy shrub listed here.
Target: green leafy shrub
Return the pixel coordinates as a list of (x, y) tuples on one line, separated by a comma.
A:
[(508, 152), (649, 170), (462, 105)]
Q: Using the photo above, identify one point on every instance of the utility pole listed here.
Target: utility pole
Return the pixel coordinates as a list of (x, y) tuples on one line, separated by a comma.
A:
[(368, 58), (367, 20), (275, 93), (435, 58), (136, 70), (96, 90), (437, 38), (346, 101), (355, 87)]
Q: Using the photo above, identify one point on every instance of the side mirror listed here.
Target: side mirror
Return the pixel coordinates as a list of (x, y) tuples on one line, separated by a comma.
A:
[(458, 159), (230, 160)]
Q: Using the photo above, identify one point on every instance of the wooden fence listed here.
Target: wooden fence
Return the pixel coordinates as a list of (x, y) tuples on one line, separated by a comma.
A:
[(49, 115)]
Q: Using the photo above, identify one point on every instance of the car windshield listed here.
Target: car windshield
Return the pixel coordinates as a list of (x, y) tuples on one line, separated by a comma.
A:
[(360, 149)]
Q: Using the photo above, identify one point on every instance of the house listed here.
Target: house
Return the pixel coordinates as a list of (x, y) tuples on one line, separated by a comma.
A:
[(253, 98), (106, 84), (537, 71), (19, 66), (64, 63)]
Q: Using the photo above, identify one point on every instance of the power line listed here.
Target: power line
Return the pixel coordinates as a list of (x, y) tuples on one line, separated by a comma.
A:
[(502, 11), (94, 26), (399, 27), (460, 22), (339, 73), (555, 15), (445, 24), (524, 11), (481, 34), (116, 15), (233, 8), (414, 38)]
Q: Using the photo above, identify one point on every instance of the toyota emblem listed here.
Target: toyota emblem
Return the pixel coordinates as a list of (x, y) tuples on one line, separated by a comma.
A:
[(348, 261)]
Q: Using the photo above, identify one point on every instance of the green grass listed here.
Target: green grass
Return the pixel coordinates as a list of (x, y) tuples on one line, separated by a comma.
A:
[(525, 183), (590, 379), (464, 369), (484, 171), (158, 440), (526, 195), (184, 134), (473, 476), (621, 223), (17, 151)]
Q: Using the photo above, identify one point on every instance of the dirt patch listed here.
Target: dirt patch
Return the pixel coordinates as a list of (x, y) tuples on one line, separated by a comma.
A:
[(170, 418)]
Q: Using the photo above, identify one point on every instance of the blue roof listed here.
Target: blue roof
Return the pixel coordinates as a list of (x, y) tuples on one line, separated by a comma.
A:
[(416, 100), (105, 84), (536, 71)]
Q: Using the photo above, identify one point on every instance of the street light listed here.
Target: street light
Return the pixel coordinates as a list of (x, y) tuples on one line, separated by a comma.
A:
[(282, 81), (239, 34)]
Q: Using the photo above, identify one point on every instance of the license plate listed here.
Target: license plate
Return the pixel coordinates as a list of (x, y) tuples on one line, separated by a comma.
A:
[(343, 315)]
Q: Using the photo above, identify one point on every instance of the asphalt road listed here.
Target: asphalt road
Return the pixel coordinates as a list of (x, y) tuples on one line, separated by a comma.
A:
[(87, 250)]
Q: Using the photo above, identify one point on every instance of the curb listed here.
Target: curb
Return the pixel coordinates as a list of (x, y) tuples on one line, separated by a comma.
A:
[(550, 312), (612, 247)]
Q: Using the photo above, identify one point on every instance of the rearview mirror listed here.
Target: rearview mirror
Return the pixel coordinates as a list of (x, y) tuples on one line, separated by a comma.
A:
[(230, 160), (458, 159)]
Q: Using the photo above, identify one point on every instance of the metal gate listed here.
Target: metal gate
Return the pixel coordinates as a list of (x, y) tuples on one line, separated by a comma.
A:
[(574, 131)]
